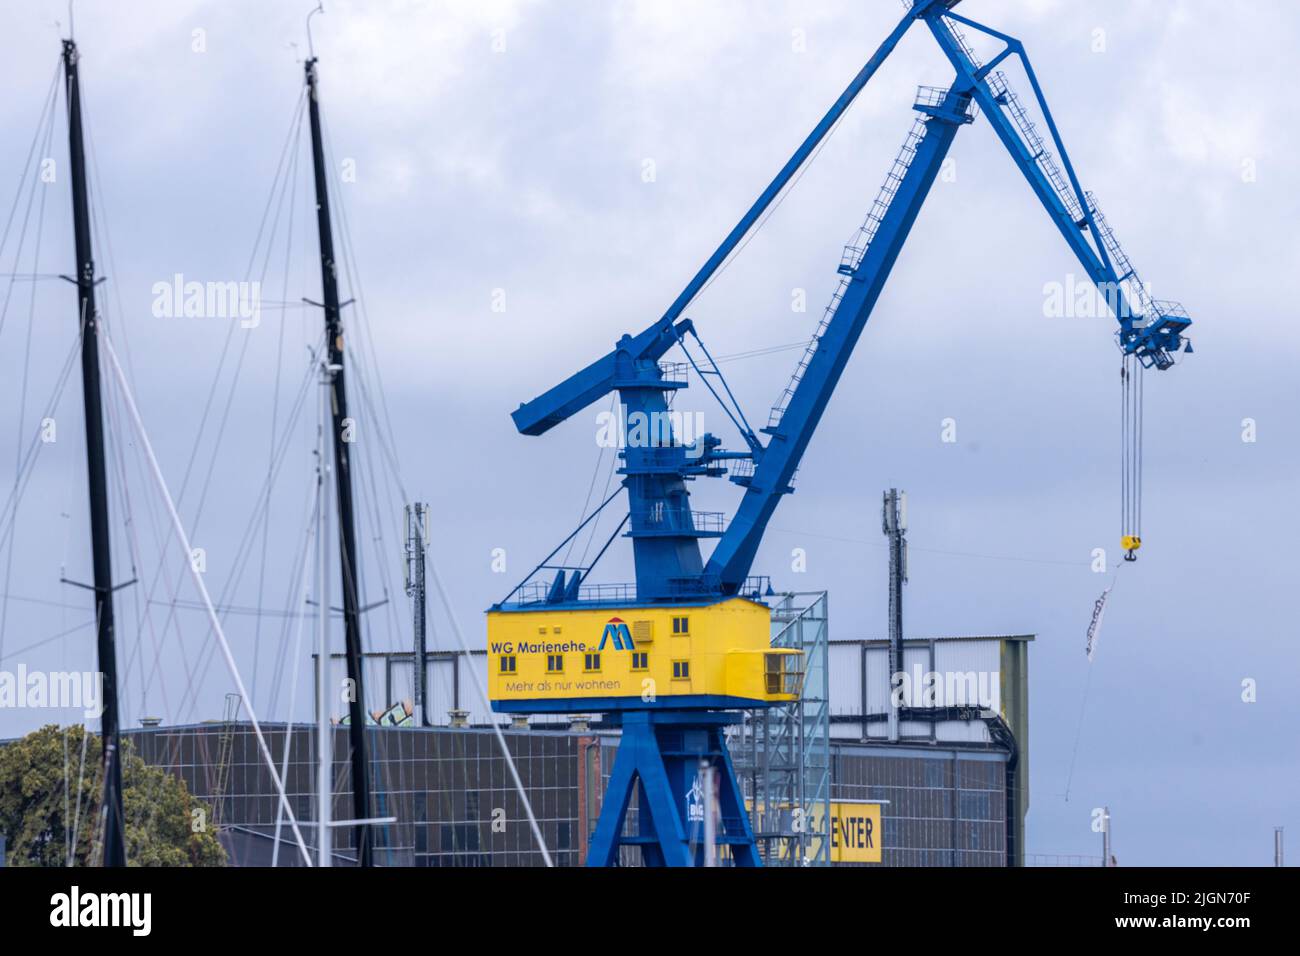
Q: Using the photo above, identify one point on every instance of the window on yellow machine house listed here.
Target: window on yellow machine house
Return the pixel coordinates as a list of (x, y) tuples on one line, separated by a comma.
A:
[(681, 625), (555, 663), (507, 663), (681, 670), (640, 660), (591, 662)]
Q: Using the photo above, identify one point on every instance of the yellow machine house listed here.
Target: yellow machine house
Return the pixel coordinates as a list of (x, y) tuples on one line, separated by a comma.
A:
[(707, 655)]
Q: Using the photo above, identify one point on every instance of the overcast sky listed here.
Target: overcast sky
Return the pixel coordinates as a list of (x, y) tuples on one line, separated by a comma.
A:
[(491, 160)]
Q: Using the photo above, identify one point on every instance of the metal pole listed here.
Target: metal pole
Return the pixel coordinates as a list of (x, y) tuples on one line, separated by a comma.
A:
[(88, 321), (324, 730), (1105, 836), (1277, 847), (710, 808), (893, 521), (342, 439), (417, 542)]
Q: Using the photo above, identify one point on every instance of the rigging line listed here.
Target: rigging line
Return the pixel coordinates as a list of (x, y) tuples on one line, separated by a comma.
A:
[(142, 615), (161, 546), (46, 130), (184, 541), (271, 202), (473, 674), (756, 353), (353, 273), (389, 453), (432, 567), (48, 105), (388, 442), (275, 408), (744, 429), (286, 439), (303, 581), (120, 489), (23, 388), (106, 240), (31, 600), (371, 493), (239, 365), (9, 513), (288, 618), (49, 640), (228, 609), (81, 776), (591, 535), (67, 795), (246, 541), (954, 554), (370, 490), (99, 229), (776, 204), (250, 530), (292, 601), (591, 487)]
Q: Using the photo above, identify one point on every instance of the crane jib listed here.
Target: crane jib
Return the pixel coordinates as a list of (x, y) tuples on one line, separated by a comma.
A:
[(666, 532)]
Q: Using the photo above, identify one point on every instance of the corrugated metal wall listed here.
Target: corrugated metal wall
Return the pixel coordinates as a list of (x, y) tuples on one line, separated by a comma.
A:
[(969, 673)]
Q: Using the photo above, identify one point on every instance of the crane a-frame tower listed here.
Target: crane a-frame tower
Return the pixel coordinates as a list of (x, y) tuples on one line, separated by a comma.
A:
[(673, 657)]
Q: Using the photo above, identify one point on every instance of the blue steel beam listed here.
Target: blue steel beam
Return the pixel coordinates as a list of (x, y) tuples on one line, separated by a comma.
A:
[(734, 555), (599, 378), (1152, 337), (580, 390), (806, 149)]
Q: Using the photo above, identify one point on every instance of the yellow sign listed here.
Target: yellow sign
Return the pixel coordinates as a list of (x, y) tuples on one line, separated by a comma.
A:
[(855, 833)]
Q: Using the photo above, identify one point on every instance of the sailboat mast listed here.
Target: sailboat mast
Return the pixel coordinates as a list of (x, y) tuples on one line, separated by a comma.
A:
[(88, 321), (342, 428)]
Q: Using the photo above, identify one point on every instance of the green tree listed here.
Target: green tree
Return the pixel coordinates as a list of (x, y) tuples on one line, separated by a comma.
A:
[(47, 791)]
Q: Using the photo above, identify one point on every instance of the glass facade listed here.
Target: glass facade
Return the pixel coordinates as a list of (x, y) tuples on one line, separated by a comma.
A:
[(947, 810), (450, 790), (455, 803)]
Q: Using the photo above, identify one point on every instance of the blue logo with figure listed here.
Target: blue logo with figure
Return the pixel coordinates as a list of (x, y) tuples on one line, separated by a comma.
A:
[(616, 629)]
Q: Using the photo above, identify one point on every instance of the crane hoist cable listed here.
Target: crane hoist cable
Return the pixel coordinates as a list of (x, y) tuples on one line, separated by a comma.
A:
[(1131, 457)]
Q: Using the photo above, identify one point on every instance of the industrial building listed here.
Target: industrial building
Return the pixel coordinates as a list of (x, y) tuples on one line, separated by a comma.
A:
[(951, 791)]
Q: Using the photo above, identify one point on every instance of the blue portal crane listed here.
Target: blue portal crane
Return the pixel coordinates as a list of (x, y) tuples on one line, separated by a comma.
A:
[(672, 576)]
